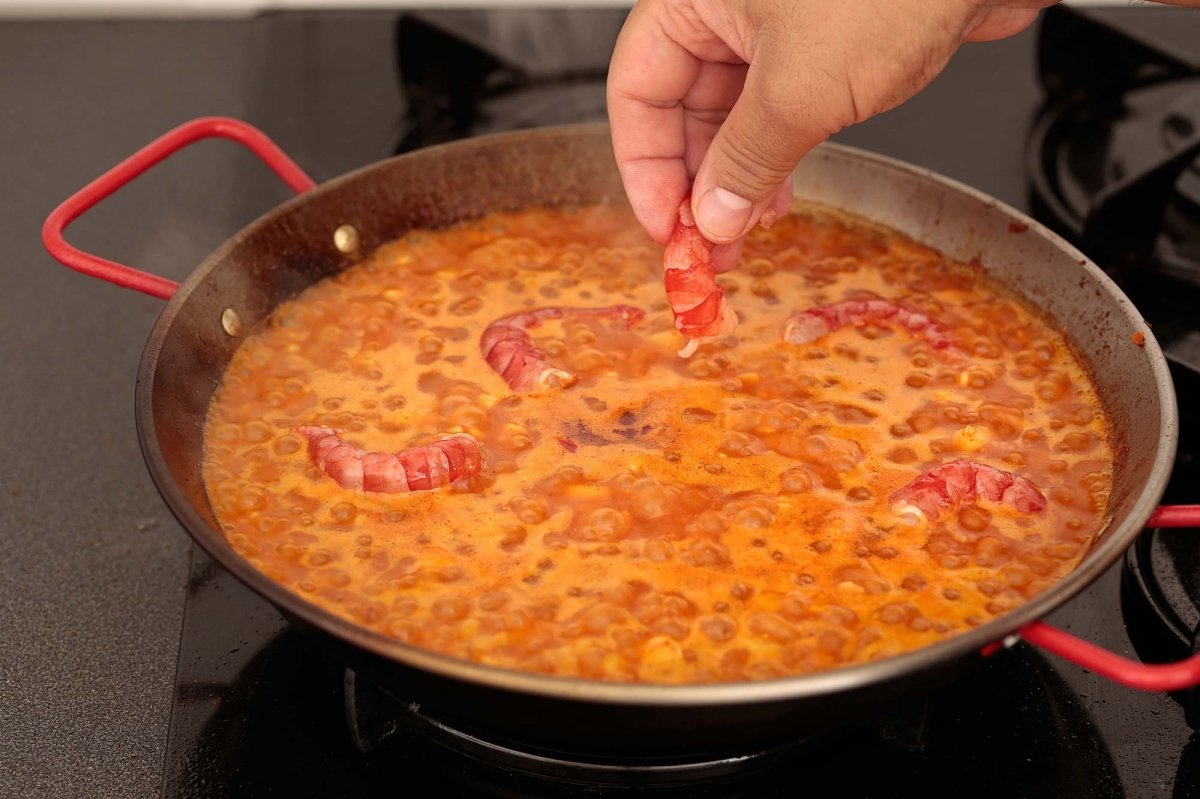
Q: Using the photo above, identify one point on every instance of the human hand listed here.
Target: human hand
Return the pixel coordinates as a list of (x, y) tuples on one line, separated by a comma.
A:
[(724, 97)]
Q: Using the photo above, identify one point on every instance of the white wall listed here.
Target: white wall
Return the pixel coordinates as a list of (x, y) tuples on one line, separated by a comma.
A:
[(234, 8), (239, 8)]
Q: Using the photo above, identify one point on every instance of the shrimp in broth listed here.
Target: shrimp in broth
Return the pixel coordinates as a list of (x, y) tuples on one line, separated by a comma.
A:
[(874, 448)]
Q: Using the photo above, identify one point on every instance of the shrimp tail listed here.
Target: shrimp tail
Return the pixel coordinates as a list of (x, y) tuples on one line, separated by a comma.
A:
[(415, 469), (509, 349), (690, 279)]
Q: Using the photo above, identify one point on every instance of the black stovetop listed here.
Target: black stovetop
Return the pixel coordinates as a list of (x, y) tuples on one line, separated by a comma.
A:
[(94, 582)]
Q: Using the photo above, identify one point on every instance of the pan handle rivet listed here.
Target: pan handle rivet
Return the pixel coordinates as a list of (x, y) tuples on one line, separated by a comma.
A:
[(345, 238), (231, 322)]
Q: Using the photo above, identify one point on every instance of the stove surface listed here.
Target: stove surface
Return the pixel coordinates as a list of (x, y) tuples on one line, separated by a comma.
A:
[(93, 581)]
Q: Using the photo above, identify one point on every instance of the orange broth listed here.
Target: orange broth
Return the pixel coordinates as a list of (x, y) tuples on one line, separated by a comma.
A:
[(663, 520)]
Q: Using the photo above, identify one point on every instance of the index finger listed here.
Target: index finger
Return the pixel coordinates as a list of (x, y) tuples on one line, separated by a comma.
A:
[(648, 78)]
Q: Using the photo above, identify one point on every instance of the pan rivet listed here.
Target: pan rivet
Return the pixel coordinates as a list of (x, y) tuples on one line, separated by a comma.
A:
[(231, 322), (345, 238)]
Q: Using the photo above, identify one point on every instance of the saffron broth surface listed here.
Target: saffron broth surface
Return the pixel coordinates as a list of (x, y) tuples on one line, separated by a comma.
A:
[(663, 520)]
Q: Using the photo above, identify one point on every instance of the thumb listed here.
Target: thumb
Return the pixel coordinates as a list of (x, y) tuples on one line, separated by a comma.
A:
[(768, 131)]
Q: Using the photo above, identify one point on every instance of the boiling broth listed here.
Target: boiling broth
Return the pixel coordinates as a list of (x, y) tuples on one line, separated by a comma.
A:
[(720, 518)]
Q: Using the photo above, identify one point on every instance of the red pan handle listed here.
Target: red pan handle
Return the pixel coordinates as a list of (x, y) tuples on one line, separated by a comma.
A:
[(1175, 516), (1146, 676), (204, 128)]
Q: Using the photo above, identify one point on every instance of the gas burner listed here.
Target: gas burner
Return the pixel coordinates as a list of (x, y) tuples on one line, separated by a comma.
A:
[(262, 708), (372, 716), (1160, 600), (1160, 587), (929, 744), (1114, 158), (1163, 569), (1122, 177)]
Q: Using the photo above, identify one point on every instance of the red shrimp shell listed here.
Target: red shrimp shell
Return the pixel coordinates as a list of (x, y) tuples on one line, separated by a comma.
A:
[(690, 278), (814, 323), (509, 349), (946, 487), (415, 469)]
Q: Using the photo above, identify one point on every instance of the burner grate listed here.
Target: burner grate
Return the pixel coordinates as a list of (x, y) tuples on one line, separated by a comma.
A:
[(1114, 157), (1007, 728), (372, 717)]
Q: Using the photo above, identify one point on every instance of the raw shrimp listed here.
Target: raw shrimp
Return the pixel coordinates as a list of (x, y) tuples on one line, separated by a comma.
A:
[(819, 321), (947, 486), (690, 277), (414, 469), (509, 349)]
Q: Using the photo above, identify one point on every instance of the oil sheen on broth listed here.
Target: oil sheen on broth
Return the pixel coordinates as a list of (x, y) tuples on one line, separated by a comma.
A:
[(714, 519)]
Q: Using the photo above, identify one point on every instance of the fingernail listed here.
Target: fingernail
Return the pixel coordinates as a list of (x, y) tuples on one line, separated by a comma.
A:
[(723, 213)]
